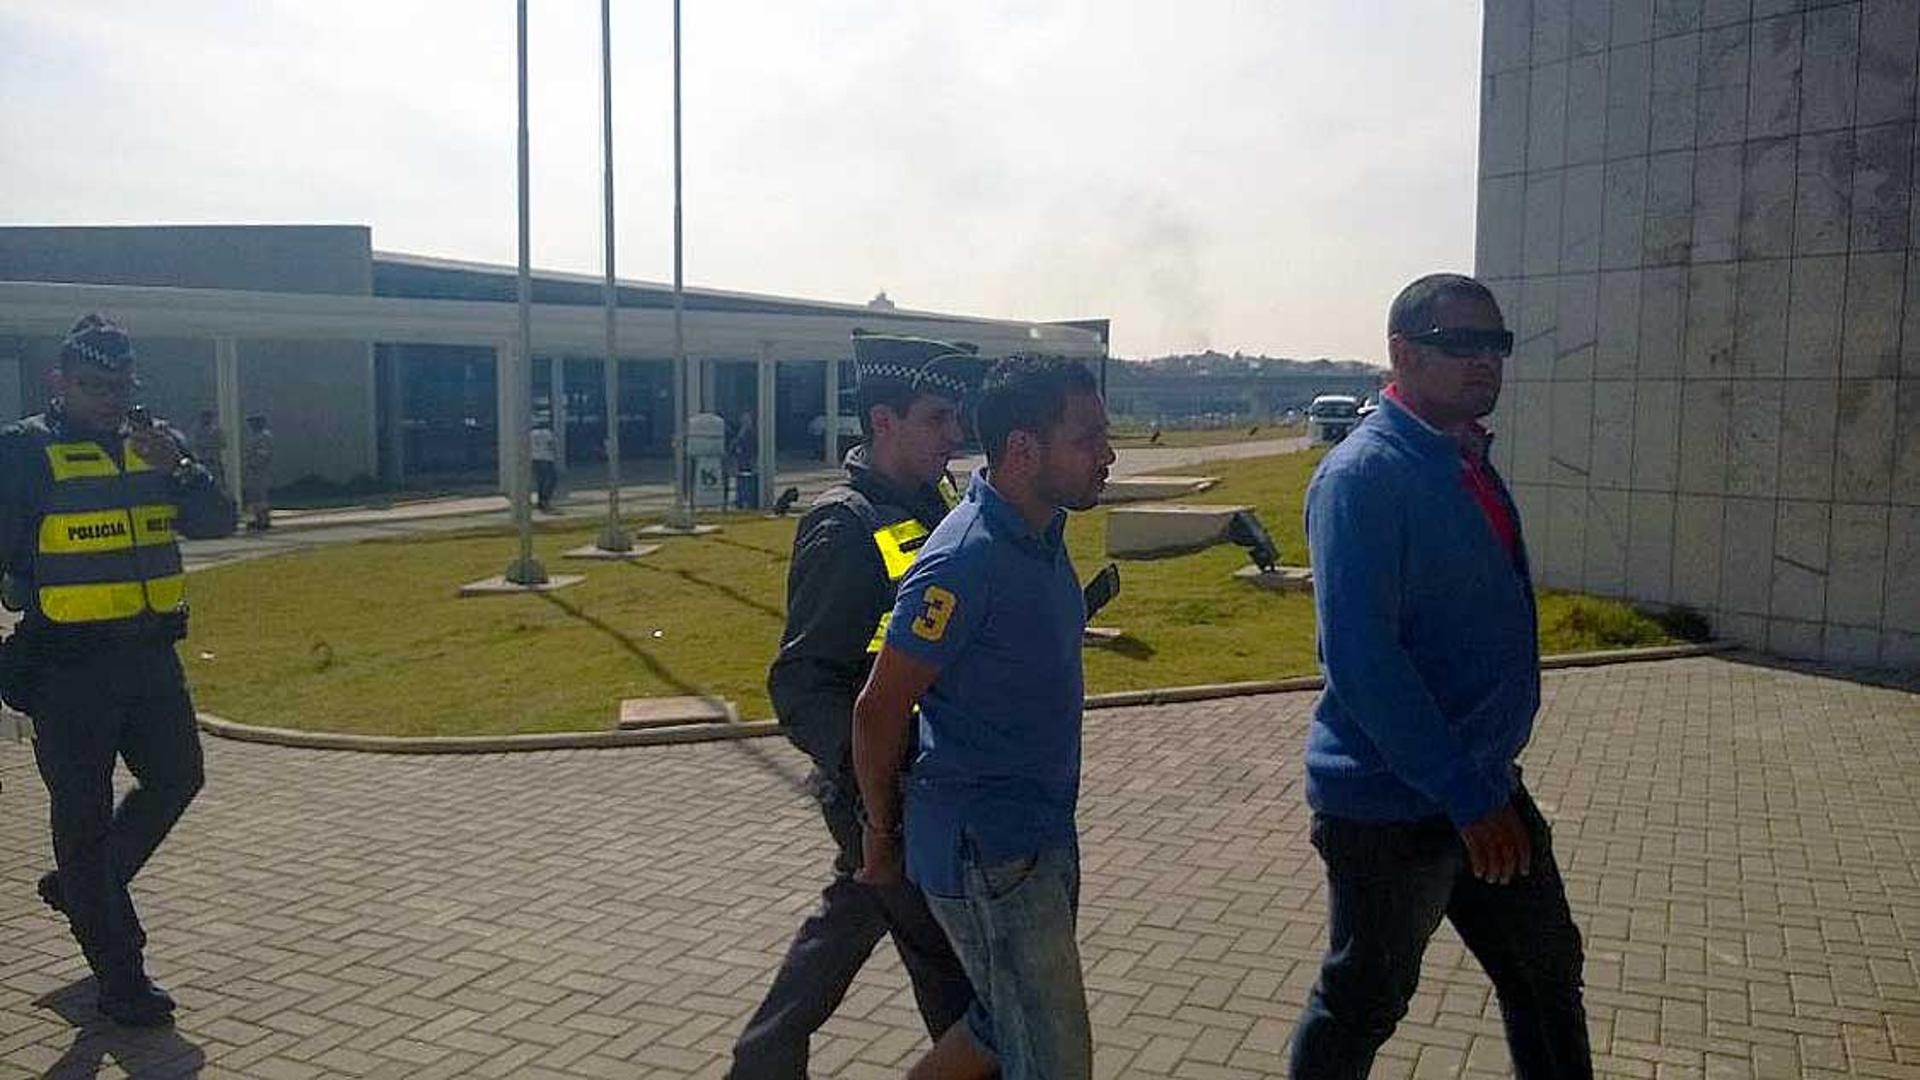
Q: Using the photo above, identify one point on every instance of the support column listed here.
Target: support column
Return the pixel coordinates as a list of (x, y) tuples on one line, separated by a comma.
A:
[(557, 397), (396, 394), (226, 392), (765, 414), (370, 440), (710, 385), (831, 436), (504, 426)]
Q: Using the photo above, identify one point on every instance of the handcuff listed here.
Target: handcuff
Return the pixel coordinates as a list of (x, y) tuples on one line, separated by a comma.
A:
[(866, 823)]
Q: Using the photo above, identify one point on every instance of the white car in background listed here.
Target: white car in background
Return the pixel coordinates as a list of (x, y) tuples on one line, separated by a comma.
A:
[(848, 431), (1332, 417)]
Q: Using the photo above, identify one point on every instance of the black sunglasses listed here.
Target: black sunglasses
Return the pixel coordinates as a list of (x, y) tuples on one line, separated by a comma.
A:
[(1465, 344)]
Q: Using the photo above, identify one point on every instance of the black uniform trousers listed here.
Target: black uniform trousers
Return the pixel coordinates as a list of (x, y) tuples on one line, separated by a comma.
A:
[(128, 701), (833, 944)]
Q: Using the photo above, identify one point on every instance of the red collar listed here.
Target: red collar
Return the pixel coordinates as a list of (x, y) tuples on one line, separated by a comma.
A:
[(1480, 435)]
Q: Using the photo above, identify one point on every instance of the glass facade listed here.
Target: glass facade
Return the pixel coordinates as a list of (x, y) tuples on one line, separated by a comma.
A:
[(448, 406), (449, 413)]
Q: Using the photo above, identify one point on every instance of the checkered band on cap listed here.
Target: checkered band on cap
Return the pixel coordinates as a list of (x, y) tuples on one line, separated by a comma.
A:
[(98, 340), (948, 368), (920, 377)]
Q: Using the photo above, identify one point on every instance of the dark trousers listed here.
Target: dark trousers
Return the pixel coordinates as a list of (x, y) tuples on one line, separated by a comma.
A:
[(546, 476), (126, 702), (833, 944), (1389, 885)]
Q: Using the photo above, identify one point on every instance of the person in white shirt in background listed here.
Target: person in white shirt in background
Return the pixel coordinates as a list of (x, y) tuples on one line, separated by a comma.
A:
[(545, 450)]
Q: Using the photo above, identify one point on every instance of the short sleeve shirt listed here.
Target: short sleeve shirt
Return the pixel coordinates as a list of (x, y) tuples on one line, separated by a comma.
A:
[(997, 607), (543, 445)]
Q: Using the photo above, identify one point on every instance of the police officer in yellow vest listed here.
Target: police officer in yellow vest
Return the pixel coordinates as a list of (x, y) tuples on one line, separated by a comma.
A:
[(92, 494), (849, 552)]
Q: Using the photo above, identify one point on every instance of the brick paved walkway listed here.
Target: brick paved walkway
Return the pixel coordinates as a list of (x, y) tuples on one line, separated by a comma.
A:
[(1741, 843)]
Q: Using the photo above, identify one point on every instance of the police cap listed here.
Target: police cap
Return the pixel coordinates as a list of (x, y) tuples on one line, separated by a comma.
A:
[(99, 341), (948, 368)]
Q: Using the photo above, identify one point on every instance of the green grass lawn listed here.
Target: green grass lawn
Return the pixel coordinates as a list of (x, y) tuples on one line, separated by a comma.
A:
[(1136, 437), (371, 638)]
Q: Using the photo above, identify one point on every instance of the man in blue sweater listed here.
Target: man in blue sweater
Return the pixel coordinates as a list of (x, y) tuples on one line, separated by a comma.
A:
[(1428, 637)]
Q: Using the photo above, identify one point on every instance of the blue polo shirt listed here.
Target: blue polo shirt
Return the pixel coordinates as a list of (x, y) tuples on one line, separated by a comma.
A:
[(998, 609)]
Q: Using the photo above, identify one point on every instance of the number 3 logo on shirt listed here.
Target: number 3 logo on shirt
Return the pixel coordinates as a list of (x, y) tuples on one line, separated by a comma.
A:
[(937, 607)]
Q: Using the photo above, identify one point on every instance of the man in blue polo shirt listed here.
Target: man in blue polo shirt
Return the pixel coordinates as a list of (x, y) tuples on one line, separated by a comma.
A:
[(985, 637)]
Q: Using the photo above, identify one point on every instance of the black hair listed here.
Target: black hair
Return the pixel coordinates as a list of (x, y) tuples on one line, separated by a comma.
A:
[(894, 394), (1026, 394), (1418, 305)]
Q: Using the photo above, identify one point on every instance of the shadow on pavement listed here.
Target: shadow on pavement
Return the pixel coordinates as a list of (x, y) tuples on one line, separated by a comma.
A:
[(97, 1041), (795, 776), (1884, 678)]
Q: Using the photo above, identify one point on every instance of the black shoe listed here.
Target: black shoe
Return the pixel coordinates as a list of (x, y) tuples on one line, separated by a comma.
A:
[(133, 1000), (50, 893)]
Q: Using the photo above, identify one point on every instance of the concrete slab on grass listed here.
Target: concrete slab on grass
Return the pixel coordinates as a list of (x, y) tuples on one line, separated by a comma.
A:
[(594, 551), (654, 712), (1280, 579), (1126, 489), (498, 585), (1150, 530)]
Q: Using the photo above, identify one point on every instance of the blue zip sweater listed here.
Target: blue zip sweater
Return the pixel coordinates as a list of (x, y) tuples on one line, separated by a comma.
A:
[(1427, 632)]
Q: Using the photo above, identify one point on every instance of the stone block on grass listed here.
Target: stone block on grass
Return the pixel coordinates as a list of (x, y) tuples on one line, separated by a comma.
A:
[(1279, 579), (1152, 530), (658, 712), (1126, 489)]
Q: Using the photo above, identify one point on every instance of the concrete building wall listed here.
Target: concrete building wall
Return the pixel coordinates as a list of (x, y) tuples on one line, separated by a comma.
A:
[(315, 394), (1699, 217)]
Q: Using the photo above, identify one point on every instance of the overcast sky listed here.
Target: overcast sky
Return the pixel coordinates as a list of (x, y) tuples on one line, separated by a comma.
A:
[(1258, 175)]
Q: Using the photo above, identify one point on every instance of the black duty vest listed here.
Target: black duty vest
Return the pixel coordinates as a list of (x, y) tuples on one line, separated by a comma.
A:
[(106, 549), (900, 536)]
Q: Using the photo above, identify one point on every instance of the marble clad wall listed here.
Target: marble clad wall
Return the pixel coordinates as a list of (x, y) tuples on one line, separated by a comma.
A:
[(1698, 216)]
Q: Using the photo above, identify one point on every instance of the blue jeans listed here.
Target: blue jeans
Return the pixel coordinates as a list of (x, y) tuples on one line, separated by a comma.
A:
[(1014, 930), (1389, 885)]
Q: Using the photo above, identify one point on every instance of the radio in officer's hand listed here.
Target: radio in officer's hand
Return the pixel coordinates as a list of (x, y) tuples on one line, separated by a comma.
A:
[(1102, 589), (139, 418)]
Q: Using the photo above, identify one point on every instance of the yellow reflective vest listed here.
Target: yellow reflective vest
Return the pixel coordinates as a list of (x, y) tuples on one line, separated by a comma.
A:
[(105, 549), (900, 543)]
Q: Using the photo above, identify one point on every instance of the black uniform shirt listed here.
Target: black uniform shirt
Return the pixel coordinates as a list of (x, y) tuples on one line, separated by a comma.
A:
[(837, 590)]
